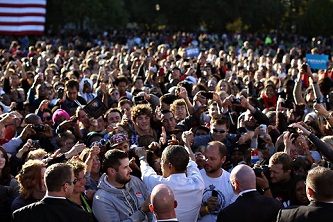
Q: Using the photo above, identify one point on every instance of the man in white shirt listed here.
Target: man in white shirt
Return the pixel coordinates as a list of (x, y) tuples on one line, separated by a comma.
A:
[(181, 175), (218, 191)]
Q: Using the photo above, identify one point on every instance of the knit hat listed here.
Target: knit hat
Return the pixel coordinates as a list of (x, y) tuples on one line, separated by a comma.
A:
[(59, 113)]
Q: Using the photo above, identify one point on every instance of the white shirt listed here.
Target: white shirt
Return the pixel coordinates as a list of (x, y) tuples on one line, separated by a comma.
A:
[(226, 195), (187, 189)]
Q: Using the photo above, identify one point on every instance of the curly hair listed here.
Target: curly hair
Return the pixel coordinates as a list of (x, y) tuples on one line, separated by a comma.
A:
[(141, 109), (30, 177)]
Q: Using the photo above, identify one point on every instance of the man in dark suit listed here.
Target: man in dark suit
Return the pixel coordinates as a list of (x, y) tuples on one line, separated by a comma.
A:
[(320, 193), (249, 205), (163, 203), (54, 206)]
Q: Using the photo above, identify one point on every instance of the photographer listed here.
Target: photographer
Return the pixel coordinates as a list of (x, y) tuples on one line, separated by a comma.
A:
[(319, 144), (280, 180), (37, 93), (263, 141), (312, 93), (328, 115), (71, 125), (12, 79)]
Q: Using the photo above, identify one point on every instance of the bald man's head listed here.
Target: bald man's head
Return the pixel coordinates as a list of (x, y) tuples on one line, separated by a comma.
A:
[(163, 202), (245, 177)]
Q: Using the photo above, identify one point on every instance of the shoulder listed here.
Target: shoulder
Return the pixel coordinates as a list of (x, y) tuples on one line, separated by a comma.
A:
[(287, 213), (232, 137), (202, 138), (20, 202), (28, 208), (135, 181), (13, 182), (81, 100)]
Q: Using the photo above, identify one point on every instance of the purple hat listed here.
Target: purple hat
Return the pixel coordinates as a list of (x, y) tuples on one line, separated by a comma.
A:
[(59, 113), (117, 139)]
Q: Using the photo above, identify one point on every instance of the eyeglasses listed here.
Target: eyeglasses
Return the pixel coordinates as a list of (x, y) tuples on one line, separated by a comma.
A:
[(218, 131)]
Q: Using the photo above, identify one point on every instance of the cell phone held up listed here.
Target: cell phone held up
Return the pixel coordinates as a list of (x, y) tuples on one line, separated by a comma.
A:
[(214, 193), (61, 92), (38, 128), (208, 95), (236, 101), (292, 130)]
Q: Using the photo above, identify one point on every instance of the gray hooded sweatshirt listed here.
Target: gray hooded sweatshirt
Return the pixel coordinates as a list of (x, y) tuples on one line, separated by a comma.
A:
[(113, 204)]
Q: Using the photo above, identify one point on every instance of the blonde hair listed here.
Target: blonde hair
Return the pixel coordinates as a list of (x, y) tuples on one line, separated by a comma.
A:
[(36, 154)]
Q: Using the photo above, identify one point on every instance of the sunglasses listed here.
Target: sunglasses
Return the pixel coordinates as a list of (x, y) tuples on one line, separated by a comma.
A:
[(219, 131)]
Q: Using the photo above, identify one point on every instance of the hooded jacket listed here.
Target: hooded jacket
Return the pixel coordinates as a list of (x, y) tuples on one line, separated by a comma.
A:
[(87, 96), (113, 204)]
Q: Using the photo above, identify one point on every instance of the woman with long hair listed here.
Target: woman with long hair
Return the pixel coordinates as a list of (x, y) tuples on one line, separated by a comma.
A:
[(9, 188), (31, 181)]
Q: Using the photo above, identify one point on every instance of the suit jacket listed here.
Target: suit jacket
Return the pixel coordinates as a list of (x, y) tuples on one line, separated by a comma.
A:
[(315, 211), (168, 221), (51, 209), (251, 207)]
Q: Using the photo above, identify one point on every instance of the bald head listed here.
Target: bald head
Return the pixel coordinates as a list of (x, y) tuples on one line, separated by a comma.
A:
[(245, 177), (163, 202)]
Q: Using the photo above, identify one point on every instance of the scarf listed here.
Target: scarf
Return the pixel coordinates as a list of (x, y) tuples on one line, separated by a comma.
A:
[(269, 102)]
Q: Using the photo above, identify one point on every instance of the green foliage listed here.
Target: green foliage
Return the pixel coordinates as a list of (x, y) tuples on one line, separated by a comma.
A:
[(317, 18), (310, 17)]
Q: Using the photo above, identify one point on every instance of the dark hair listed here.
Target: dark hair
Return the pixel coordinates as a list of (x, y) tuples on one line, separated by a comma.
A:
[(120, 79), (64, 136), (124, 101), (57, 175), (221, 119), (141, 109), (71, 84), (168, 98), (177, 156), (293, 198), (112, 110), (325, 85), (111, 159), (5, 177)]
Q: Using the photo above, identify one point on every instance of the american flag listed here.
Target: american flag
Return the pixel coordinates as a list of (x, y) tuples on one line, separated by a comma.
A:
[(22, 17)]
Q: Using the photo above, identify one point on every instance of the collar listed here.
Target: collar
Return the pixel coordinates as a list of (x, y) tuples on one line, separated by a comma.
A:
[(246, 191), (53, 197)]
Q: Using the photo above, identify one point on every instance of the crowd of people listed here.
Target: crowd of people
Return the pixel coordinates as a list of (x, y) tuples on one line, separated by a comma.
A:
[(128, 128)]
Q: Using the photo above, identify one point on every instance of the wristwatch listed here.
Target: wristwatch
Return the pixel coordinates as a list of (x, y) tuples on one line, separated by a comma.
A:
[(265, 189)]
